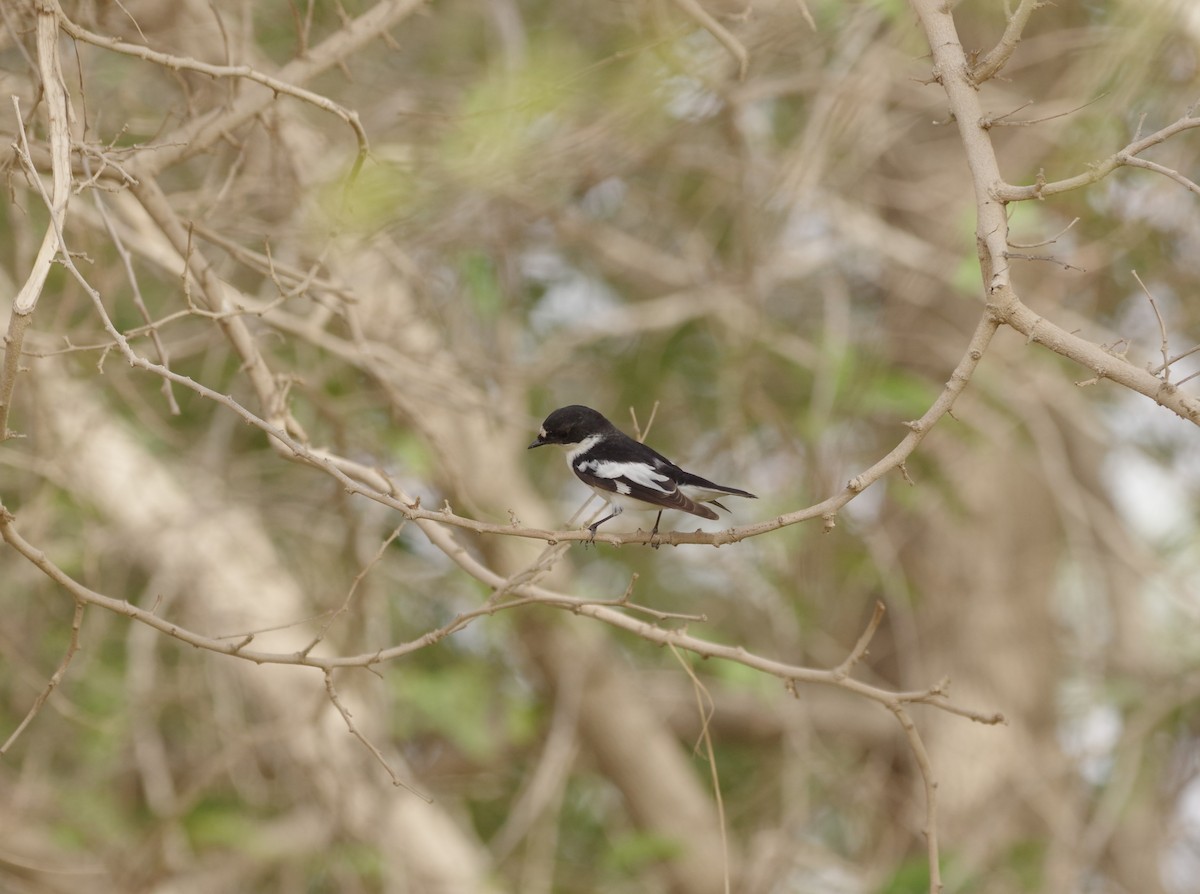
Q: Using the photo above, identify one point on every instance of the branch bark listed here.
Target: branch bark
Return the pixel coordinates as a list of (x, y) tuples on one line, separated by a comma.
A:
[(951, 70), (58, 119)]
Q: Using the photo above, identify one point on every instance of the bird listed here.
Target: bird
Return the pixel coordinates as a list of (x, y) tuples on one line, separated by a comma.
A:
[(625, 473)]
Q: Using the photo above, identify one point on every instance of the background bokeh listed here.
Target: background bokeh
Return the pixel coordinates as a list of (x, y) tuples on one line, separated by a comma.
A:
[(578, 202)]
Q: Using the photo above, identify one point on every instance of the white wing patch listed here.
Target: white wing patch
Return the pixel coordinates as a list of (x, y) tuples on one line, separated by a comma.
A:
[(638, 473)]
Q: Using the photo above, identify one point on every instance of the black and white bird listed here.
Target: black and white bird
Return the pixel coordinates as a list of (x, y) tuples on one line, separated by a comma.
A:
[(624, 473)]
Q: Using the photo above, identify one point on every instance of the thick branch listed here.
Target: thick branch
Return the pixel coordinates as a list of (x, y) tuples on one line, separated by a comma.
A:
[(991, 194), (1009, 310), (58, 116), (951, 70)]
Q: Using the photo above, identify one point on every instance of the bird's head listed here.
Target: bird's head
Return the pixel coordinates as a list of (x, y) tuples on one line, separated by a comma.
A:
[(570, 425)]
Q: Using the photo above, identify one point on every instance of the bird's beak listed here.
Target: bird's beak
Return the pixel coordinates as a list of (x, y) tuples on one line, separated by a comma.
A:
[(538, 441)]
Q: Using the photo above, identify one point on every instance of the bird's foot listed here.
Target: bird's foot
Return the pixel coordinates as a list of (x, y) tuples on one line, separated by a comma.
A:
[(654, 541)]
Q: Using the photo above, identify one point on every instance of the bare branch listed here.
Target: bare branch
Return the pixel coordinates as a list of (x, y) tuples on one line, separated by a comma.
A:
[(200, 132), (1009, 310), (58, 114), (1188, 353), (705, 708), (1005, 192), (991, 193), (951, 70), (1049, 241), (859, 652), (1134, 162), (1164, 345), (997, 57), (127, 262), (1018, 256), (278, 87), (354, 584), (529, 594), (1000, 121), (331, 691), (55, 678), (921, 756), (638, 432)]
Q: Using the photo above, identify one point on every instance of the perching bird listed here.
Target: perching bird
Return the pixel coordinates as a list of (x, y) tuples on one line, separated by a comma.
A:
[(625, 473)]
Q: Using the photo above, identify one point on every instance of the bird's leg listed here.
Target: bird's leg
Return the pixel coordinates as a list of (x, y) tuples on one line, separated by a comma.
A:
[(592, 527), (654, 533)]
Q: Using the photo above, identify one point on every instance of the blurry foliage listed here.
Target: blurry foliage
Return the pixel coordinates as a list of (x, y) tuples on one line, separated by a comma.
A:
[(458, 703), (910, 878), (628, 854)]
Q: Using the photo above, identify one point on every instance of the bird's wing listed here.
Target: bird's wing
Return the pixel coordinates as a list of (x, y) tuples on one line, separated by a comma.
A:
[(706, 490), (702, 488), (639, 481)]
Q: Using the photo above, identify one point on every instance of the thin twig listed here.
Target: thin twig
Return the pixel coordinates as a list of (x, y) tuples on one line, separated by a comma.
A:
[(1188, 353), (1005, 192), (126, 257), (859, 652), (637, 429), (52, 683), (278, 87), (1049, 241), (1018, 256), (1029, 122), (331, 690), (705, 708), (992, 121), (354, 584), (917, 746), (1134, 162), (1162, 330)]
